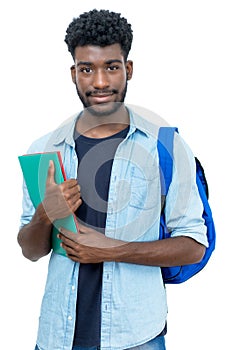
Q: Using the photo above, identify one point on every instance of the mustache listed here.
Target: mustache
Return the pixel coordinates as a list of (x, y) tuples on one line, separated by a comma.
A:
[(101, 92)]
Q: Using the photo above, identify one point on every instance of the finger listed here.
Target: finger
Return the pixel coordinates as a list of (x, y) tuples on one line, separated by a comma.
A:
[(67, 244), (70, 251), (66, 235), (70, 191), (72, 255), (71, 183), (77, 205), (51, 173), (74, 203)]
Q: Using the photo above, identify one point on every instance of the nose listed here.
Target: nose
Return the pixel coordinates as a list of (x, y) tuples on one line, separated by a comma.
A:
[(101, 79)]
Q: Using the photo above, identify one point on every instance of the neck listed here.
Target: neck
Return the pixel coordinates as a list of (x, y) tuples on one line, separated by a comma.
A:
[(102, 126)]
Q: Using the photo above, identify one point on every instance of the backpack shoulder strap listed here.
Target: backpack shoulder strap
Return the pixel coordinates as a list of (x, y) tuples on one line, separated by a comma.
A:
[(202, 177), (165, 151)]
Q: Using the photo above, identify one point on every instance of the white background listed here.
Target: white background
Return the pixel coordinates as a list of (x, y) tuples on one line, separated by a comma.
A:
[(182, 71)]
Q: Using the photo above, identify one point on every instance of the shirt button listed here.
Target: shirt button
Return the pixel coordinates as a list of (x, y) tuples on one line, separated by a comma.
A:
[(70, 318), (73, 287)]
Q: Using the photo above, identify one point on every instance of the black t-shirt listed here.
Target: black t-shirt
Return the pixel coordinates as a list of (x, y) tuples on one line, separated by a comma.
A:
[(95, 162)]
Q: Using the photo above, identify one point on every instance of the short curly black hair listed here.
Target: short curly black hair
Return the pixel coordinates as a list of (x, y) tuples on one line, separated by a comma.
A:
[(101, 28)]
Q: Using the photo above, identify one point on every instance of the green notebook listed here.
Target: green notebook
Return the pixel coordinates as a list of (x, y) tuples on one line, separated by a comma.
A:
[(35, 168)]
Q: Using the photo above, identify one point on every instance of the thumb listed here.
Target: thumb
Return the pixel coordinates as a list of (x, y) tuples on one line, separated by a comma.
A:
[(51, 173)]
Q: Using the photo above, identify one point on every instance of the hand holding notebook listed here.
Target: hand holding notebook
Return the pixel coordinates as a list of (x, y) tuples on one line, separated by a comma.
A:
[(43, 172), (60, 201)]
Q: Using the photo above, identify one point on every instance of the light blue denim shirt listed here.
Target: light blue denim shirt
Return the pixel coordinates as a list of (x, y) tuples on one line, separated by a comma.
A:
[(134, 307)]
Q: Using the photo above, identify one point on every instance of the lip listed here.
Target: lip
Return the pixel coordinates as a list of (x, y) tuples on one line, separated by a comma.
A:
[(101, 98)]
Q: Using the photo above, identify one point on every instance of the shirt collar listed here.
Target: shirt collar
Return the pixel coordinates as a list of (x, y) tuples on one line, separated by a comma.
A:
[(137, 123), (65, 131)]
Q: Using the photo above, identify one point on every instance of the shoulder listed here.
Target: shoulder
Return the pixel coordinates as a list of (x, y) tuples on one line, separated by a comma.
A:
[(146, 121), (55, 137), (141, 121), (39, 145)]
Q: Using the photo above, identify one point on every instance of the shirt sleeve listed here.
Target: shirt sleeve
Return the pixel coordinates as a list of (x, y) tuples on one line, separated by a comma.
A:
[(184, 208), (28, 209)]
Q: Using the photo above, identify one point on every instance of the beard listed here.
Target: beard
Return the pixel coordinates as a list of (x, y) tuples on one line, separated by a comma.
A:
[(110, 107)]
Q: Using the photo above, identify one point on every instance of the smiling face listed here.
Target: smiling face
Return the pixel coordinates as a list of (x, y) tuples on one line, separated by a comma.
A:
[(100, 75)]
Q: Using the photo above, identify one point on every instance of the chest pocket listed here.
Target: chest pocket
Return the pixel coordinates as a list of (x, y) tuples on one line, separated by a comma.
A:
[(144, 187)]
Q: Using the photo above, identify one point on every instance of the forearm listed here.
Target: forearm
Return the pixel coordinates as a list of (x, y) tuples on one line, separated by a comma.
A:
[(90, 246), (35, 237), (169, 252)]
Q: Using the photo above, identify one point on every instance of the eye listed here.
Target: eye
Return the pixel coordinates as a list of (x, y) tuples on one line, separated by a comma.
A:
[(113, 67), (86, 70)]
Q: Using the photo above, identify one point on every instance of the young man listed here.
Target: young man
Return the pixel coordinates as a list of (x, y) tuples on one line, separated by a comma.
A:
[(108, 292)]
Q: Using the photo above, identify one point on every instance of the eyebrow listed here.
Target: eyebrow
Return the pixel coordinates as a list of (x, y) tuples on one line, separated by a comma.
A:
[(113, 61), (86, 63)]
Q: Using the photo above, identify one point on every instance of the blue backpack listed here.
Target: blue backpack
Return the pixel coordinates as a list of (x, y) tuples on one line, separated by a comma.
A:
[(179, 274)]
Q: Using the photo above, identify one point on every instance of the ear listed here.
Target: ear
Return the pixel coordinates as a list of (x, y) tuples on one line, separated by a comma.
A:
[(73, 73), (129, 69)]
